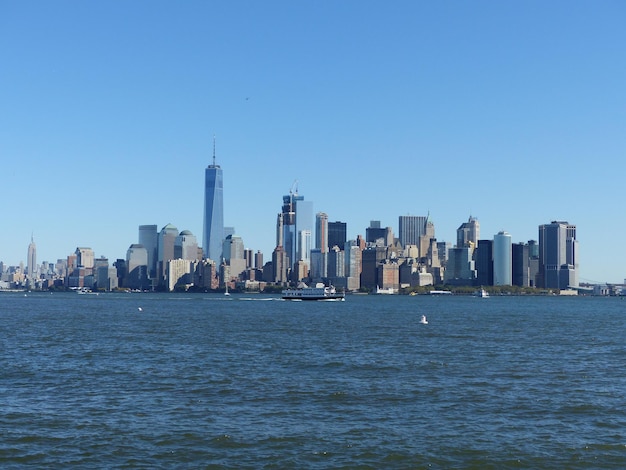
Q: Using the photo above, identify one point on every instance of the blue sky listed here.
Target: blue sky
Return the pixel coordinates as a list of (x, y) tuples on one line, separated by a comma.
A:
[(513, 112)]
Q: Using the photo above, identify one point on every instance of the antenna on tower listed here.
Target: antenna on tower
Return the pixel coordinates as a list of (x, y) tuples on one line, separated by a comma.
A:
[(213, 149)]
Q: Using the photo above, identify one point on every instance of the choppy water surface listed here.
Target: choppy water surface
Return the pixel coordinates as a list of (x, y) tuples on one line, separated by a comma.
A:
[(203, 381)]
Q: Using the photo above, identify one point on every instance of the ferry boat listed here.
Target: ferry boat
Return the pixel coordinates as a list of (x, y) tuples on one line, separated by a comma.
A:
[(319, 292)]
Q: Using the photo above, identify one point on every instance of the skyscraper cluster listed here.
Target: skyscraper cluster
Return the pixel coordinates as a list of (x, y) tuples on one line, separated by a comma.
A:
[(312, 248)]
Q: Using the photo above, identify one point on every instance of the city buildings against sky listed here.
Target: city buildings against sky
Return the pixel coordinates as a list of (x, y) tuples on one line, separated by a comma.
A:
[(378, 110), (471, 261)]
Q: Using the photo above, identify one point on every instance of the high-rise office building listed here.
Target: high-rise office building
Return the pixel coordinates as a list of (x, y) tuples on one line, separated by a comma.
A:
[(410, 229), (337, 234), (186, 246), (460, 267), (558, 256), (468, 233), (502, 259), (521, 265), (84, 257), (304, 246), (426, 241), (353, 265), (258, 260), (165, 249), (297, 226), (234, 255), (137, 267), (213, 228), (31, 261), (148, 237), (336, 263), (484, 262), (318, 268), (375, 232), (321, 232), (248, 254)]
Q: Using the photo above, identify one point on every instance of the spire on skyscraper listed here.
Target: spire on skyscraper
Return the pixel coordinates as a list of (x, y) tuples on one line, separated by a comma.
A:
[(213, 149)]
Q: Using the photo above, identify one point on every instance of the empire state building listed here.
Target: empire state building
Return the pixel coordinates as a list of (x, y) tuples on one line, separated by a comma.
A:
[(31, 267), (213, 227)]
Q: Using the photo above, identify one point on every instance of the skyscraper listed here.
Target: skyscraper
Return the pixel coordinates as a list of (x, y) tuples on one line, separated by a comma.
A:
[(148, 237), (233, 251), (410, 229), (319, 256), (31, 265), (297, 226), (165, 249), (558, 256), (137, 267), (186, 246), (321, 232), (502, 260), (85, 257), (337, 234), (213, 228), (468, 233), (426, 241)]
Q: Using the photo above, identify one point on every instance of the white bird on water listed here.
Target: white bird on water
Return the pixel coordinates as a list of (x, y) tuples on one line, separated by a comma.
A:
[(423, 321), (140, 309)]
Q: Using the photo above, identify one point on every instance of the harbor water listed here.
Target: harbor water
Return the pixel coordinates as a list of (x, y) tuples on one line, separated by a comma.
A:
[(252, 381)]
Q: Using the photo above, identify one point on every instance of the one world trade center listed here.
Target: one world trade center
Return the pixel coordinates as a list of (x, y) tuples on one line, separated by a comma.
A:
[(213, 228)]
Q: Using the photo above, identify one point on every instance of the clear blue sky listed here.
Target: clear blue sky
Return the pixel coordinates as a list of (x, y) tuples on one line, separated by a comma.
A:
[(513, 112)]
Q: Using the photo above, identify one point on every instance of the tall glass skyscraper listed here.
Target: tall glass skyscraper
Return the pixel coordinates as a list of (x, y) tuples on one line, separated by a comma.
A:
[(296, 220), (502, 259), (148, 237), (213, 227)]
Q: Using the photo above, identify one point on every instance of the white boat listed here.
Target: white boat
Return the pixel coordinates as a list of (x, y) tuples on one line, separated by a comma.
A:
[(440, 292), (481, 293), (423, 320), (385, 291), (319, 292), (86, 290)]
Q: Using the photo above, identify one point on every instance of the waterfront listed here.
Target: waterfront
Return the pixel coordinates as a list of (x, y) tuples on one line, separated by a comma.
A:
[(197, 381)]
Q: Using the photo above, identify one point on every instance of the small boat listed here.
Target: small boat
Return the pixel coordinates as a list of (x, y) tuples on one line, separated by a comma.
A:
[(385, 291), (423, 320), (481, 293), (319, 292), (440, 292)]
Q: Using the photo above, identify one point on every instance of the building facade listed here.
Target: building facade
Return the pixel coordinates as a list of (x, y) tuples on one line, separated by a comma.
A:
[(137, 267), (31, 261), (148, 237), (186, 246), (213, 225), (502, 259), (165, 249), (296, 220), (337, 234), (411, 228), (558, 256), (468, 233), (321, 231)]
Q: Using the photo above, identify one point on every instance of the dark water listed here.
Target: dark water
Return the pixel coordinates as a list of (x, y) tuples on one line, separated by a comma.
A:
[(244, 382)]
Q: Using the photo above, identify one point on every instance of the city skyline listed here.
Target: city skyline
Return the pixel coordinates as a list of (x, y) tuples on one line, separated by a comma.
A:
[(506, 112)]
